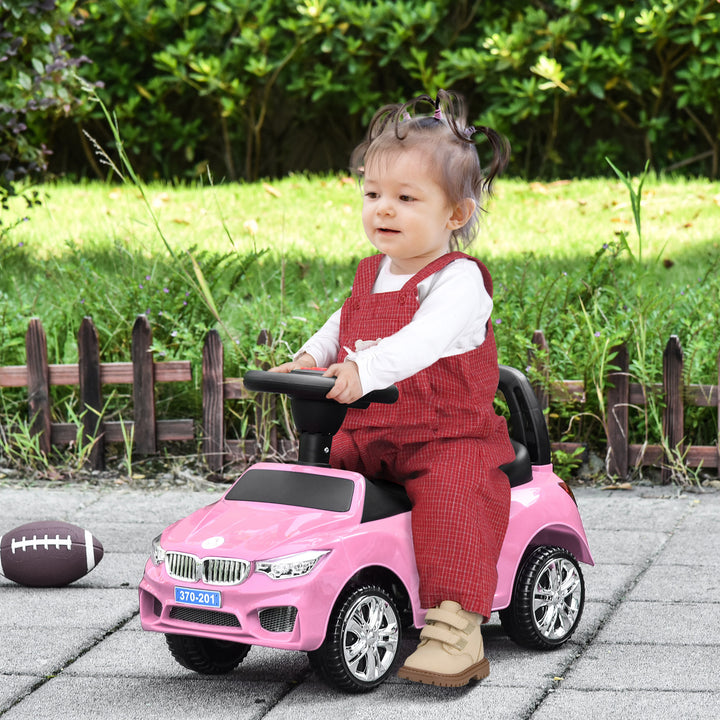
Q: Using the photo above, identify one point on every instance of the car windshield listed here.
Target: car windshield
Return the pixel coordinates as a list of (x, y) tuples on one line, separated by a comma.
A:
[(287, 487)]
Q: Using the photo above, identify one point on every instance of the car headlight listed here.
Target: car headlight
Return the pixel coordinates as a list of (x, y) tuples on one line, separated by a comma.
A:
[(290, 566), (157, 554)]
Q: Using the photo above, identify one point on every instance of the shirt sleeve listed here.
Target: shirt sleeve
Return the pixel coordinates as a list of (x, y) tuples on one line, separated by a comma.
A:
[(324, 345), (452, 319)]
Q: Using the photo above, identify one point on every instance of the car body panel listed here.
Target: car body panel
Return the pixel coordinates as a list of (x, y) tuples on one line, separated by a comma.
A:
[(541, 513)]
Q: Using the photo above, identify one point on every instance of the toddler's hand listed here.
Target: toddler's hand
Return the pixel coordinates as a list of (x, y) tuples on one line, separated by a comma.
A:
[(304, 361), (348, 387)]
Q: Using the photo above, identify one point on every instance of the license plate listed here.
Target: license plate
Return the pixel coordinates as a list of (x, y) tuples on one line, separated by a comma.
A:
[(198, 598)]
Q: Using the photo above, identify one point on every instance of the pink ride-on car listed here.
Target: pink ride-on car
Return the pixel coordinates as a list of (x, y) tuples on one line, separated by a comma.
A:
[(304, 557)]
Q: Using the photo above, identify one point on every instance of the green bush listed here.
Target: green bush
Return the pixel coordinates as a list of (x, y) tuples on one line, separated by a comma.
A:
[(574, 81), (36, 62), (262, 87)]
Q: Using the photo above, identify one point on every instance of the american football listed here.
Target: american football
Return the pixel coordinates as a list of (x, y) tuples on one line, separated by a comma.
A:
[(48, 553)]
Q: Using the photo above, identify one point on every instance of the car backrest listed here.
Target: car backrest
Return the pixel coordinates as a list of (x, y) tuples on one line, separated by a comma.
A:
[(527, 422)]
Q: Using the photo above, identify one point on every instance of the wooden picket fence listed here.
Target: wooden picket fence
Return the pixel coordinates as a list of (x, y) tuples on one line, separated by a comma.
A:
[(145, 431), (143, 373), (622, 395)]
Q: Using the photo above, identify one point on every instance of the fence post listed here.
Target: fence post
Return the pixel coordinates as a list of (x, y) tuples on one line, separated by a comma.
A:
[(91, 393), (540, 388), (266, 407), (38, 381), (143, 387), (618, 400), (213, 397), (673, 414)]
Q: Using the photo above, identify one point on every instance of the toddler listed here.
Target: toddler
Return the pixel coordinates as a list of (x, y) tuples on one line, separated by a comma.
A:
[(419, 317)]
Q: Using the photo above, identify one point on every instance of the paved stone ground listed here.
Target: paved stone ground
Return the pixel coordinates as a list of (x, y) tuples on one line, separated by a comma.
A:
[(646, 647)]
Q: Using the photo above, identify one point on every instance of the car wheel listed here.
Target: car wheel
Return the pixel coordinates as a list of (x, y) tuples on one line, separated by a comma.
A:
[(547, 601), (362, 641), (205, 655)]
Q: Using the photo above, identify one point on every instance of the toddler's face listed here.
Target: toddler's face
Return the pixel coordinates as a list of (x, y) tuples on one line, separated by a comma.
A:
[(406, 214)]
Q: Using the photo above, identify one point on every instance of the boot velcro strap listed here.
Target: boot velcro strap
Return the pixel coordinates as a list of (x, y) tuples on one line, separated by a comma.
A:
[(432, 632), (449, 618)]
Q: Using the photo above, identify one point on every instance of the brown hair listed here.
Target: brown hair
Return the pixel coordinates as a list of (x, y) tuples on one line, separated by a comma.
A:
[(450, 146)]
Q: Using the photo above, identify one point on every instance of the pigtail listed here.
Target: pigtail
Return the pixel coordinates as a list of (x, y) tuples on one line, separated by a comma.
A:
[(380, 120), (450, 108), (500, 156)]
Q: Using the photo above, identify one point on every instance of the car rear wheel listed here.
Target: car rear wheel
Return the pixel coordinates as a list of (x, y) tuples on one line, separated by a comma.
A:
[(547, 601), (205, 655), (364, 634)]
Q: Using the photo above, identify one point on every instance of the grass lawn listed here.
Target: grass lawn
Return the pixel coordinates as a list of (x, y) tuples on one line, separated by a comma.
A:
[(313, 217)]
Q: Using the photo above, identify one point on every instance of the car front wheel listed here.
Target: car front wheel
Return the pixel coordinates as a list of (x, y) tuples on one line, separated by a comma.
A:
[(205, 655), (547, 601), (362, 641)]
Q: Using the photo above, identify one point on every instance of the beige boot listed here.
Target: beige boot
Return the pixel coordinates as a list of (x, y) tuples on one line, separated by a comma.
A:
[(450, 652)]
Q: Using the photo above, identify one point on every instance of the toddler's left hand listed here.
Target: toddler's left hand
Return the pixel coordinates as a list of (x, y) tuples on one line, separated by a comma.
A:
[(347, 388)]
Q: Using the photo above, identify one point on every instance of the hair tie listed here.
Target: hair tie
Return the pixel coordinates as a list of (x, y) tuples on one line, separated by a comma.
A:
[(469, 131), (438, 113)]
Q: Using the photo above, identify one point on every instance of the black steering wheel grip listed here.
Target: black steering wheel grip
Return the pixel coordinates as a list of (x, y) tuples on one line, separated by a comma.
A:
[(310, 385)]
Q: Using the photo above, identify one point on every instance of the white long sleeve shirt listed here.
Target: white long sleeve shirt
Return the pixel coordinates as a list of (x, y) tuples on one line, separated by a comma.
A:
[(451, 319)]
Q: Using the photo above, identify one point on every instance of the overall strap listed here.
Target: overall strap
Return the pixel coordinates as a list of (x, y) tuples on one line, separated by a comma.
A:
[(365, 274), (444, 261)]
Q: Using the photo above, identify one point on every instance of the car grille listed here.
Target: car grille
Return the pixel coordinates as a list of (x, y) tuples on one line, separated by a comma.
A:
[(224, 571), (204, 617), (278, 619), (213, 571), (182, 567)]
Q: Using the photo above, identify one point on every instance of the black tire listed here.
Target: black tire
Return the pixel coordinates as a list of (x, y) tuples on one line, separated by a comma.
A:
[(205, 655), (548, 599), (362, 641)]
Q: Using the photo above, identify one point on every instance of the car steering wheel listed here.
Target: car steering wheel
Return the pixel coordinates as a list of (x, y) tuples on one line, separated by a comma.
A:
[(310, 385), (316, 418)]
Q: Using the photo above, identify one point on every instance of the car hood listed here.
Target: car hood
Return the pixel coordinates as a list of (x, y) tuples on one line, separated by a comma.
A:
[(252, 530)]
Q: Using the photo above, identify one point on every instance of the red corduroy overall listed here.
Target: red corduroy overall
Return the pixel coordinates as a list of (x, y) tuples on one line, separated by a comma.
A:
[(442, 440)]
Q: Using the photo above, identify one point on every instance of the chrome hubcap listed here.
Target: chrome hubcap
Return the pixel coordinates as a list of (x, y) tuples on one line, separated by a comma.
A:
[(370, 638), (557, 598)]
